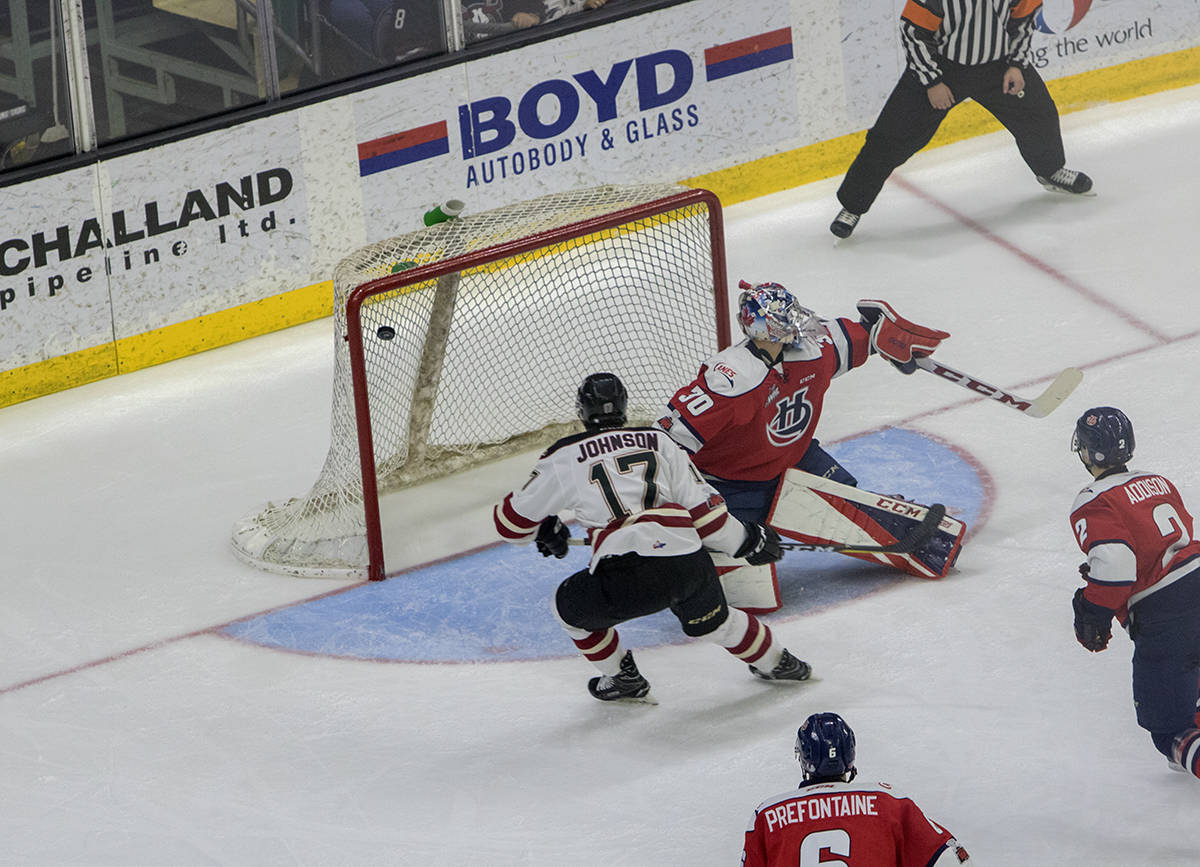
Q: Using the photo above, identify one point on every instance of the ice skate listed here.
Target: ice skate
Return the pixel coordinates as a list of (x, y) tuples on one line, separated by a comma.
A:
[(627, 685), (789, 668), (1068, 181), (843, 224)]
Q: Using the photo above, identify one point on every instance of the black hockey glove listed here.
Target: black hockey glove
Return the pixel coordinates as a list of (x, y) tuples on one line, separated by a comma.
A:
[(552, 538), (1093, 623), (762, 545)]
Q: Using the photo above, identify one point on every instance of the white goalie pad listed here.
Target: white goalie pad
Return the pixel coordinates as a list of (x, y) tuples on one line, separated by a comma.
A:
[(814, 510), (752, 588)]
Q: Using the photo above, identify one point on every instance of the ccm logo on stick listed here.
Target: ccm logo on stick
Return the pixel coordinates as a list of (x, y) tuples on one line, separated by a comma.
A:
[(981, 387)]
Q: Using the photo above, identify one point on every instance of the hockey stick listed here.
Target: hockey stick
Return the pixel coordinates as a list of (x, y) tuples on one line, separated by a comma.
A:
[(917, 537), (1038, 407)]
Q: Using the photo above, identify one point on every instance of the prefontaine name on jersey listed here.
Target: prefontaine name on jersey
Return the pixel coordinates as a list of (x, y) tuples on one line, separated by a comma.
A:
[(823, 807), (602, 445)]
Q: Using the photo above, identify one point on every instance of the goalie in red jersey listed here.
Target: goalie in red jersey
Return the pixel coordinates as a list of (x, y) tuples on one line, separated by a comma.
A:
[(1143, 568), (752, 412), (831, 819)]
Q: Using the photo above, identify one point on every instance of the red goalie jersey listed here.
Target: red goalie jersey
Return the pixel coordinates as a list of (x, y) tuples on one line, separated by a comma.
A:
[(742, 420), (1137, 535), (853, 824)]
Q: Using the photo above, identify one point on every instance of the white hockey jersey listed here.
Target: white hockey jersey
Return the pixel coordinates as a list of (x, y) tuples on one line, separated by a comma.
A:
[(633, 489)]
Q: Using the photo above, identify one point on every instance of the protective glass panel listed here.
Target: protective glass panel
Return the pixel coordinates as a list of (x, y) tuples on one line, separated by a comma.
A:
[(344, 38), (160, 63), (35, 117)]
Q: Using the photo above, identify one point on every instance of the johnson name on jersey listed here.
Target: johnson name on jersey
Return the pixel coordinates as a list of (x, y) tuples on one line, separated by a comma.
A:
[(634, 489), (857, 824), (744, 419), (1138, 537)]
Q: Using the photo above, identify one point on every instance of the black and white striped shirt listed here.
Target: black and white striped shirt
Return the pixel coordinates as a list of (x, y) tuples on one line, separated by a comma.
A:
[(967, 32)]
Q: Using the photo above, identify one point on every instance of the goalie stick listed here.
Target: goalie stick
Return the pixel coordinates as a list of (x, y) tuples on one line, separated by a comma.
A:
[(918, 536), (1038, 407)]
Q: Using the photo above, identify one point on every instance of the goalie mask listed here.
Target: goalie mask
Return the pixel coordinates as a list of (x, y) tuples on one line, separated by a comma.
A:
[(600, 401), (1103, 438), (825, 747), (767, 311)]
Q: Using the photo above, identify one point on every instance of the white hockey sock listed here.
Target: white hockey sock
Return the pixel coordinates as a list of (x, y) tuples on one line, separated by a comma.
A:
[(1187, 751), (601, 648), (747, 638)]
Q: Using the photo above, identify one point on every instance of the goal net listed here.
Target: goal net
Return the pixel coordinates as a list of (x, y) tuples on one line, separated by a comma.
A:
[(466, 341)]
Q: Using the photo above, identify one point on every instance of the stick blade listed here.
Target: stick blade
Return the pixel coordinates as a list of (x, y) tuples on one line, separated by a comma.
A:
[(1058, 391)]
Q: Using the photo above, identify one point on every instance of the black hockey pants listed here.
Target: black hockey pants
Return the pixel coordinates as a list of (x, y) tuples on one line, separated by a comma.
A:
[(629, 586), (907, 123)]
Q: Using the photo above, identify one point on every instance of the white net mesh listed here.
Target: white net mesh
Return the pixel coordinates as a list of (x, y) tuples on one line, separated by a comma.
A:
[(484, 362)]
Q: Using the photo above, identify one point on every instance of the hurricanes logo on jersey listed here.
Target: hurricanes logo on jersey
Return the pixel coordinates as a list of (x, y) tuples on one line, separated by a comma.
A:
[(792, 416)]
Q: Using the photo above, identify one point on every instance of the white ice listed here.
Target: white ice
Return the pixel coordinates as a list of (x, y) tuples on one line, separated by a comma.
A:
[(133, 734)]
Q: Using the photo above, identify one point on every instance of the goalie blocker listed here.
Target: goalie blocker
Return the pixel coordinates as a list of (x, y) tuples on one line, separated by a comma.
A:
[(814, 510)]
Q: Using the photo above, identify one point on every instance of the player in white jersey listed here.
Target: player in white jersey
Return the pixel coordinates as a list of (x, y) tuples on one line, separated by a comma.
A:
[(649, 517)]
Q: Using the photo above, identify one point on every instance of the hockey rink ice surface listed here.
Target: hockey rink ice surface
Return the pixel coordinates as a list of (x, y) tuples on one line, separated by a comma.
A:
[(154, 709)]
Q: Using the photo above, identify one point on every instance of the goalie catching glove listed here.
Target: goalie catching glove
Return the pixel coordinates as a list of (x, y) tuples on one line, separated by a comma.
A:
[(552, 538), (762, 545), (895, 338), (1093, 623)]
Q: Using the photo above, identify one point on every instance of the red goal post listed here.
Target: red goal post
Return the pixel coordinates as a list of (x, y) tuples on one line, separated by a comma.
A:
[(464, 342)]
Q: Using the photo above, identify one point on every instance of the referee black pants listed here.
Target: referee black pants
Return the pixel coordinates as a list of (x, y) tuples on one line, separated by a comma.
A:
[(907, 123)]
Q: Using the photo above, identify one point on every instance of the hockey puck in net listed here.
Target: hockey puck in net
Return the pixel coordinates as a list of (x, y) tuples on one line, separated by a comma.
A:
[(386, 332)]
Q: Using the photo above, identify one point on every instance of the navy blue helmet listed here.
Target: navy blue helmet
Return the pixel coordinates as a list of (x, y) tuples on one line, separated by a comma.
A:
[(825, 747), (601, 400), (1103, 438)]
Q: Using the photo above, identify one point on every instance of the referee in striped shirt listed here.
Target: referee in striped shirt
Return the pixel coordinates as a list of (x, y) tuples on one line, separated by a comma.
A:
[(955, 50)]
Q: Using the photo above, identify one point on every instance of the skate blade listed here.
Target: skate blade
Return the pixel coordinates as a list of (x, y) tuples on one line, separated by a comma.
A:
[(1090, 194), (648, 698), (812, 678)]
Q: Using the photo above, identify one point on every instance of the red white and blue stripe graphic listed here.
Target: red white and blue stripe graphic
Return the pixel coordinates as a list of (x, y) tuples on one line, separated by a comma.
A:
[(753, 52), (403, 148)]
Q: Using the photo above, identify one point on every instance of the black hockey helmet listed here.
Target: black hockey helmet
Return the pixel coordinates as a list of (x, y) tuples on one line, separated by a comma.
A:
[(1103, 438), (601, 400), (825, 747)]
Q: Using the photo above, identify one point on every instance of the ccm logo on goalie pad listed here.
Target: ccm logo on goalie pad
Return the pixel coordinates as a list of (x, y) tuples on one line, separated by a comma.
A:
[(901, 507), (981, 387)]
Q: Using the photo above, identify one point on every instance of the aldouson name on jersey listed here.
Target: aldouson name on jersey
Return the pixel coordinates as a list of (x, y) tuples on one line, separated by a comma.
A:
[(825, 807), (602, 445)]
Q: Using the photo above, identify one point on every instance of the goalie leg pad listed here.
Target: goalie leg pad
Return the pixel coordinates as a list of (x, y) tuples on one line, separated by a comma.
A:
[(754, 589), (819, 511)]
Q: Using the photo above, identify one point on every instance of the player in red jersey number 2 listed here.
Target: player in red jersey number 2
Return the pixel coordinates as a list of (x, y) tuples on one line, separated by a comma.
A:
[(1143, 567), (831, 819)]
